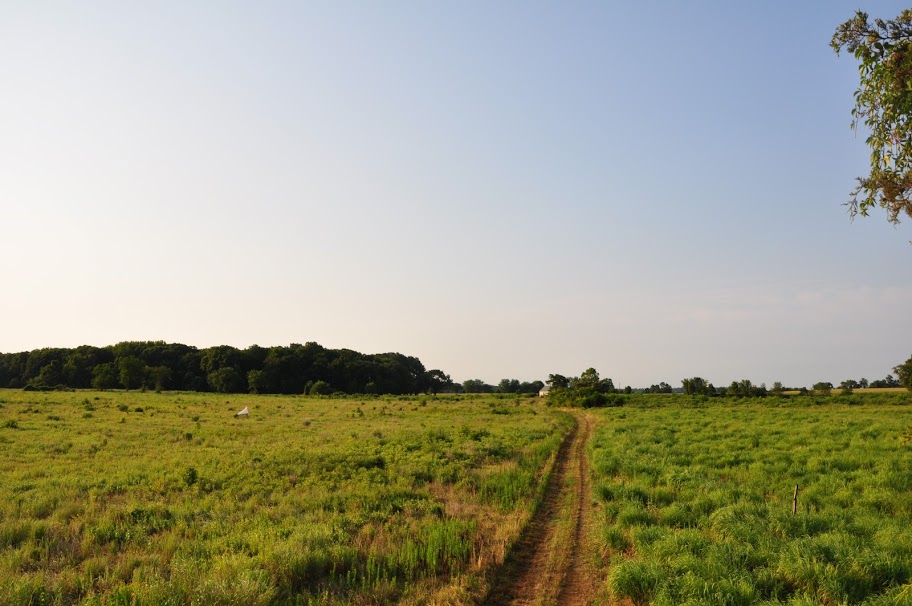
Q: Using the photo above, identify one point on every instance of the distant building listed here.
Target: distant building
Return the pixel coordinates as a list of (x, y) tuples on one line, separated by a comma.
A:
[(544, 391)]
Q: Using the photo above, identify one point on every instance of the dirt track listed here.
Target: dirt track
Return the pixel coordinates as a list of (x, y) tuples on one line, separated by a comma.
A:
[(550, 563)]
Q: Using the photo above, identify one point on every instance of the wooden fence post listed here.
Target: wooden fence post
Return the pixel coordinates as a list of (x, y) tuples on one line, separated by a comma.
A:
[(795, 501)]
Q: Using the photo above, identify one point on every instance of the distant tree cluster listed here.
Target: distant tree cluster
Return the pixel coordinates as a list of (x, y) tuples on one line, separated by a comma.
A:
[(903, 378), (697, 386), (887, 381), (863, 383), (662, 387), (904, 374), (295, 369), (823, 387), (853, 384), (587, 390), (477, 386), (515, 386), (745, 389), (505, 386)]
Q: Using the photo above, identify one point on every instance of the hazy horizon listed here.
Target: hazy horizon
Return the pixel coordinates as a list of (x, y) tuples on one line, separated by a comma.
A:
[(505, 190)]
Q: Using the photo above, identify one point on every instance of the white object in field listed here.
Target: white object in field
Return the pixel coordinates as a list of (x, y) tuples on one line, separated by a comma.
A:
[(544, 391), (242, 413)]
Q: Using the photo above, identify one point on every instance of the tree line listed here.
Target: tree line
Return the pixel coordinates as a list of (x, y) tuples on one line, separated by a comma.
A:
[(314, 369), (293, 369), (505, 386), (589, 390)]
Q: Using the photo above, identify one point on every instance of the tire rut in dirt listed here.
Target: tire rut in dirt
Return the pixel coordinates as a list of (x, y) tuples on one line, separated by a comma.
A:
[(525, 572), (579, 584)]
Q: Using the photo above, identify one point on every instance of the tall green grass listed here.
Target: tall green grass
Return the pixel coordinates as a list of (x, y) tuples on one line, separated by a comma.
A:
[(128, 498), (695, 501)]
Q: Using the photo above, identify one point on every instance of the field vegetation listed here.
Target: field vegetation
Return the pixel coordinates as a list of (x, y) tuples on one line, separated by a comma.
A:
[(143, 498), (695, 500)]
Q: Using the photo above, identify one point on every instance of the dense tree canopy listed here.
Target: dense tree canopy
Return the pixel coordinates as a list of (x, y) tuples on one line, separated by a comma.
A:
[(904, 374), (824, 387), (883, 104), (477, 386), (587, 390), (888, 381), (559, 381), (697, 386), (505, 386), (159, 365), (662, 387)]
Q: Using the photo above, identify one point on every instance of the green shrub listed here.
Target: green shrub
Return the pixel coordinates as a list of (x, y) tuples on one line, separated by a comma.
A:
[(320, 388)]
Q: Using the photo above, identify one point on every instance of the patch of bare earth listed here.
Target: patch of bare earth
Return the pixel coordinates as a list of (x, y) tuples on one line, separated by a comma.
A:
[(551, 563), (579, 587)]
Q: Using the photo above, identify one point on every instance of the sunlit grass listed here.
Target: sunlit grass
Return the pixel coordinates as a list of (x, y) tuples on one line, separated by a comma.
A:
[(127, 498), (696, 501)]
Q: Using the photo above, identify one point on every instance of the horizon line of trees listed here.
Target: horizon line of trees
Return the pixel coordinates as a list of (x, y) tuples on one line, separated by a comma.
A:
[(313, 369), (156, 365), (505, 386), (589, 390), (293, 369), (746, 389)]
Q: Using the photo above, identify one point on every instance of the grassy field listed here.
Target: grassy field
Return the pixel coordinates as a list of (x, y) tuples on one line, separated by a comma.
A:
[(857, 390), (695, 500), (143, 498), (130, 498)]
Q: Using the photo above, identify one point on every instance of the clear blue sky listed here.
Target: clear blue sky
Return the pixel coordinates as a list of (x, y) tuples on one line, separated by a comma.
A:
[(502, 189)]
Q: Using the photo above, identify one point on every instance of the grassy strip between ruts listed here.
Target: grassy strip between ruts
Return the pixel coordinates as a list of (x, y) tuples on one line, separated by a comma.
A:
[(129, 498), (696, 500)]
